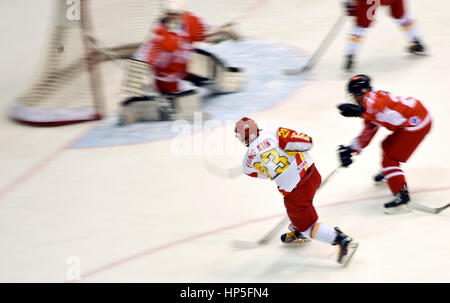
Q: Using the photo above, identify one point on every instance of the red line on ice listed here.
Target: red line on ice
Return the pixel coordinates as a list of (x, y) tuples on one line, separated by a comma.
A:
[(212, 232), (39, 166)]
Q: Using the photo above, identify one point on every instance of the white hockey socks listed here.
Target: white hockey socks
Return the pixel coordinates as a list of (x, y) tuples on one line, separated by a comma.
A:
[(355, 39), (408, 27), (321, 232)]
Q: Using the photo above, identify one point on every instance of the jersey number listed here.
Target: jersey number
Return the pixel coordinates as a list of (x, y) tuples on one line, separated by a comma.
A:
[(274, 157)]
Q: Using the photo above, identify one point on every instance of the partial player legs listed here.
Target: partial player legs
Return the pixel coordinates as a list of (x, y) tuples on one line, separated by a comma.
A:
[(365, 14), (174, 84), (167, 87), (393, 174), (396, 180), (397, 148), (353, 45), (408, 27), (299, 202), (303, 215), (324, 233), (411, 32), (397, 9)]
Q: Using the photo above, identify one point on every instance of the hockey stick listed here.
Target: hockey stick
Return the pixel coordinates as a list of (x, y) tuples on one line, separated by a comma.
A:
[(228, 173), (329, 176), (263, 240), (427, 209), (320, 50), (267, 237)]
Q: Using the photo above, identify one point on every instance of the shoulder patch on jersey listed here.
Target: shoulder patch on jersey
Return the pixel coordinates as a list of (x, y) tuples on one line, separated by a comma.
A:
[(284, 132), (414, 120)]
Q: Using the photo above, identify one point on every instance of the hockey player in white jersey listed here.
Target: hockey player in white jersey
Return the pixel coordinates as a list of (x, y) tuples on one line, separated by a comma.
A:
[(281, 156)]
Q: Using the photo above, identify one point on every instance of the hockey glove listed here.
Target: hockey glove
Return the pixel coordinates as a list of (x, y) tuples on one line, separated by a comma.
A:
[(345, 155), (350, 7), (350, 110)]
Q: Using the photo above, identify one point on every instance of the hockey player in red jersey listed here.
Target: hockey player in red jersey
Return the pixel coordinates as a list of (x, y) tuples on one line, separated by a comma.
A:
[(363, 12), (281, 156), (409, 122), (169, 49)]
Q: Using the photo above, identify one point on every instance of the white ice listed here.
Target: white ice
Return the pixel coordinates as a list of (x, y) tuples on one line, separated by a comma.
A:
[(139, 213)]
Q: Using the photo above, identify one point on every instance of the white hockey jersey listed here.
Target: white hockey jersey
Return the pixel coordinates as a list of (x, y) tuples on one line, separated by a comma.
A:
[(280, 156)]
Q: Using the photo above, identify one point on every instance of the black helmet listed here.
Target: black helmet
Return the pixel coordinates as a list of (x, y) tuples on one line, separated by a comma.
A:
[(359, 85)]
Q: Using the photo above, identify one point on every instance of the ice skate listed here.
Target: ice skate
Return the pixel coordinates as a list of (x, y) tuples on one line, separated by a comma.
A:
[(346, 247), (399, 204), (416, 48), (293, 236), (349, 63), (379, 179)]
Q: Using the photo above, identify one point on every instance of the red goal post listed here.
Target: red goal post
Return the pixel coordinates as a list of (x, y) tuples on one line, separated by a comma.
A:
[(84, 33)]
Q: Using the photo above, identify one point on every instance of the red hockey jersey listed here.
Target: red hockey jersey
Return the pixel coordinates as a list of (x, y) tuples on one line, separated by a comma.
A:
[(392, 112), (168, 52)]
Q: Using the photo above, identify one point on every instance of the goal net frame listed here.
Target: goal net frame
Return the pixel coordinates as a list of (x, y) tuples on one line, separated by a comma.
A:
[(41, 105)]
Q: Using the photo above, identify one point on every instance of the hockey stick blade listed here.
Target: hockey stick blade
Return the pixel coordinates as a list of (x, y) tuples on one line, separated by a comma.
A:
[(247, 244), (321, 49), (226, 173), (298, 71), (431, 210), (264, 240)]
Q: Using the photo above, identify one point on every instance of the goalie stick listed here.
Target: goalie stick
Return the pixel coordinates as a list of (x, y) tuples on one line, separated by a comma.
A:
[(274, 230), (320, 50)]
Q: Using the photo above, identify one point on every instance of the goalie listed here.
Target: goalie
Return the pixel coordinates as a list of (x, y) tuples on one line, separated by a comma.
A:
[(175, 63)]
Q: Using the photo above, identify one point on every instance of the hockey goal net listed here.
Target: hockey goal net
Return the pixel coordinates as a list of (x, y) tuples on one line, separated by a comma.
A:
[(84, 33)]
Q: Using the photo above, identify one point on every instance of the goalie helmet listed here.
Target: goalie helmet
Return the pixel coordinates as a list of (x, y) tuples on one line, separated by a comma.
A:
[(359, 85), (246, 130), (172, 7)]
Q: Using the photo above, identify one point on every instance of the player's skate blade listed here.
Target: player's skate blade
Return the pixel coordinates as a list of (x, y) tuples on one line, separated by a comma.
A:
[(351, 249), (417, 48), (401, 209), (379, 179), (399, 204), (346, 247)]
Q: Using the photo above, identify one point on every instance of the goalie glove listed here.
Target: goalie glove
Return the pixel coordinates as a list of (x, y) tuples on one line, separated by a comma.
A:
[(223, 33), (350, 110), (345, 155)]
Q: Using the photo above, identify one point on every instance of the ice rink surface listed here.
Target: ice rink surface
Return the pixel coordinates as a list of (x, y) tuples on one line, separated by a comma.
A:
[(143, 213)]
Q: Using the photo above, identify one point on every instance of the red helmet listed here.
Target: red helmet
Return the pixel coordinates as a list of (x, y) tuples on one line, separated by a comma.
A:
[(246, 130)]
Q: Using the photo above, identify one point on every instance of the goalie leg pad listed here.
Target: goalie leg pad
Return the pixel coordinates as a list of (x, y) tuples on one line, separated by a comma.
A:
[(186, 103), (202, 64), (145, 108), (137, 77), (229, 80), (180, 105)]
